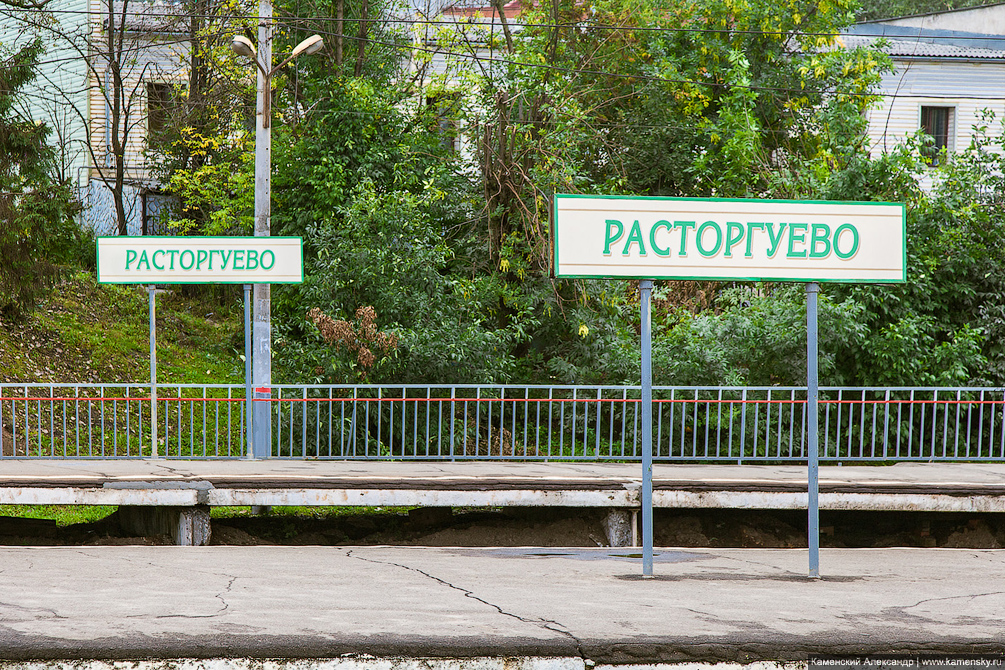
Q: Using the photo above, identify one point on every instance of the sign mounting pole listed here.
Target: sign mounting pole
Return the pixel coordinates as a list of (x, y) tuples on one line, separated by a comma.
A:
[(645, 291), (152, 291), (813, 460)]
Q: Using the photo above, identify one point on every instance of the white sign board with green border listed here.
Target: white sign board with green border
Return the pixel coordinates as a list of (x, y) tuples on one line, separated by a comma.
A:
[(690, 238), (200, 260)]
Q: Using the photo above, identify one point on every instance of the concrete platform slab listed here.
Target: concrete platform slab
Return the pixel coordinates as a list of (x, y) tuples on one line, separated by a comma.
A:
[(322, 602), (963, 487)]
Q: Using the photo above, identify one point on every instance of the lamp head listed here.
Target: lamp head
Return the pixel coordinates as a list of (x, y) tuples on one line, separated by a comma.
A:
[(310, 45), (242, 46)]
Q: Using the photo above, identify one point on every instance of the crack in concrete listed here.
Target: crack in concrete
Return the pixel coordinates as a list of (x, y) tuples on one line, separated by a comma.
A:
[(966, 597), (54, 613), (168, 565), (758, 563), (175, 471), (902, 614), (547, 624), (220, 596)]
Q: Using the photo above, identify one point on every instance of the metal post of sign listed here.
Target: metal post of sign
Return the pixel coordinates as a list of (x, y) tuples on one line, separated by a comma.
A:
[(248, 402), (152, 293), (645, 290), (812, 396)]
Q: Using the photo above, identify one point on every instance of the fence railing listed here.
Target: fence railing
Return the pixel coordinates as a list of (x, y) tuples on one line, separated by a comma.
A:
[(472, 422)]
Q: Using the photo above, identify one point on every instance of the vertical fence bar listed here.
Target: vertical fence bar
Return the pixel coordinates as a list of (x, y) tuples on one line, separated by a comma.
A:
[(380, 395), (90, 428), (52, 422), (624, 418), (203, 421), (526, 417), (1001, 428), (980, 426), (596, 418), (76, 417), (743, 426), (464, 443), (956, 427), (303, 431), (658, 440), (429, 406), (694, 426), (180, 437), (453, 412), (935, 418)]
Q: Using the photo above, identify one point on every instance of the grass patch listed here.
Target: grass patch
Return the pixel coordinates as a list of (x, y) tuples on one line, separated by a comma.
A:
[(63, 515), (99, 333)]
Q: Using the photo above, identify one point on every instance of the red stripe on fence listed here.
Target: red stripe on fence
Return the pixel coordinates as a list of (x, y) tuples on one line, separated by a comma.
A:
[(682, 401)]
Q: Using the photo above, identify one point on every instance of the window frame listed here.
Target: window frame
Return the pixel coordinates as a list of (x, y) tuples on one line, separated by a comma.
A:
[(161, 106), (932, 154)]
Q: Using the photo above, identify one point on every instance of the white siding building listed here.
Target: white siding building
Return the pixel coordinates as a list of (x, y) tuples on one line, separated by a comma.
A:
[(72, 95), (948, 68), (60, 89)]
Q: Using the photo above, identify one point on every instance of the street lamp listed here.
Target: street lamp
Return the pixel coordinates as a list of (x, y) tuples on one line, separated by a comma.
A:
[(261, 374), (242, 46)]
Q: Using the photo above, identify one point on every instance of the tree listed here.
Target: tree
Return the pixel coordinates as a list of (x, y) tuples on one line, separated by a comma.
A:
[(945, 325), (724, 98), (718, 98), (383, 214), (37, 231)]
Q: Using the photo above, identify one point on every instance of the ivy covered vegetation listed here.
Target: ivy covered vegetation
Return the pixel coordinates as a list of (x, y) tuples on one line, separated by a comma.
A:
[(430, 262)]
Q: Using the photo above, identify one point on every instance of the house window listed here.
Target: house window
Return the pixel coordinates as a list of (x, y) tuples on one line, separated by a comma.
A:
[(936, 122), (163, 100)]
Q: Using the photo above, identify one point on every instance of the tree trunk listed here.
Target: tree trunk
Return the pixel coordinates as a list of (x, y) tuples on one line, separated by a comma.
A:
[(339, 22), (498, 5), (198, 75), (120, 117), (363, 27)]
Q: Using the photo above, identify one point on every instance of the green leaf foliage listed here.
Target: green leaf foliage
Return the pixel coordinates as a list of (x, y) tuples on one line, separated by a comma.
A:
[(382, 214), (37, 230)]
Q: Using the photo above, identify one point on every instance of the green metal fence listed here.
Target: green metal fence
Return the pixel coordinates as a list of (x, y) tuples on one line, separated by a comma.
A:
[(476, 422)]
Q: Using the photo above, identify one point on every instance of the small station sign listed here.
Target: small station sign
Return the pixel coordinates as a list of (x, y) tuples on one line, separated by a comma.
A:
[(200, 260), (685, 238)]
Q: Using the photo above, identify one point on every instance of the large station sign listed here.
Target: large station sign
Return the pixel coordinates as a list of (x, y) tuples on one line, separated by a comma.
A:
[(684, 238), (200, 260)]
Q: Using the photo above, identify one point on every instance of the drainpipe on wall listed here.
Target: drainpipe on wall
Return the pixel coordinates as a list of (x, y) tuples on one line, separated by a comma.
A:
[(108, 120)]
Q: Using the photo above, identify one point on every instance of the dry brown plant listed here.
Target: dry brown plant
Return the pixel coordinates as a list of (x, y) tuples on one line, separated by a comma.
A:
[(361, 338)]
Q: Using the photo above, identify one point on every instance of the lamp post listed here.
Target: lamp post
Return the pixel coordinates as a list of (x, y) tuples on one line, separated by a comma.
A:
[(261, 446)]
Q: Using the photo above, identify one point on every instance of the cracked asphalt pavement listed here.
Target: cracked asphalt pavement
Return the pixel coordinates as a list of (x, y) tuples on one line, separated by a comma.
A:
[(318, 602)]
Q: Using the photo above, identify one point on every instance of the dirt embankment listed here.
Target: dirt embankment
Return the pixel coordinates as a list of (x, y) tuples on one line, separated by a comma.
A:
[(550, 527)]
